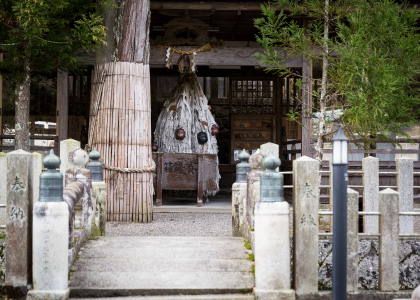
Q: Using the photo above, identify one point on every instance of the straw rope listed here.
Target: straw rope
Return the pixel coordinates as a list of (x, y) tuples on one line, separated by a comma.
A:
[(206, 47), (120, 181), (150, 169)]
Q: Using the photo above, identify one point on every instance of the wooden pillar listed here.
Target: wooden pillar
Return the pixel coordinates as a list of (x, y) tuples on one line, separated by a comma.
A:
[(306, 106), (214, 88), (120, 113), (89, 86), (62, 105)]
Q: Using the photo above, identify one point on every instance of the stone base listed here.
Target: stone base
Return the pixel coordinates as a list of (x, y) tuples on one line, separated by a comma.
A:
[(48, 295), (274, 294)]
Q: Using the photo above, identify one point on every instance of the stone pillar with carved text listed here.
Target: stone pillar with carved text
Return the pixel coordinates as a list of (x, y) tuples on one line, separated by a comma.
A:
[(18, 219), (305, 225)]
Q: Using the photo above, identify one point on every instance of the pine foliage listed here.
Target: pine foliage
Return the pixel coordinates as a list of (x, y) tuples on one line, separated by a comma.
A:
[(372, 54), (50, 34), (379, 49)]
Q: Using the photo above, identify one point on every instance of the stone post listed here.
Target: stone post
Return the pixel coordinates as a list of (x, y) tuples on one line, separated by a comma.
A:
[(84, 209), (272, 251), (253, 193), (66, 146), (352, 240), (272, 148), (95, 166), (50, 248), (239, 194), (3, 187), (272, 237), (98, 194), (35, 172), (72, 193), (99, 205), (18, 239), (370, 166), (389, 241), (405, 190), (305, 225)]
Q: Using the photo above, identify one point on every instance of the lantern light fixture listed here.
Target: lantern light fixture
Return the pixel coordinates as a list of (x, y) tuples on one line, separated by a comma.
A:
[(340, 147)]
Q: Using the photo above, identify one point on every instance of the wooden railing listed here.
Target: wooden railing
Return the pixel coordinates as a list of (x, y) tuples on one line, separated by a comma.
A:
[(52, 138), (294, 151)]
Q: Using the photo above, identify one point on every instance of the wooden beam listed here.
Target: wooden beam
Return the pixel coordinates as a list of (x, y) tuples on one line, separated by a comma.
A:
[(306, 106), (62, 105), (206, 6), (221, 56)]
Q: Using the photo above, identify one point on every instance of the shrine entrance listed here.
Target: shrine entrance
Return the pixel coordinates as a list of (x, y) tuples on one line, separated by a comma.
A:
[(249, 110)]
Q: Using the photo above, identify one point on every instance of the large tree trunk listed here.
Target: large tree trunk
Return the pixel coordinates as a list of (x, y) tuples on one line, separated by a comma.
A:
[(120, 114), (23, 93)]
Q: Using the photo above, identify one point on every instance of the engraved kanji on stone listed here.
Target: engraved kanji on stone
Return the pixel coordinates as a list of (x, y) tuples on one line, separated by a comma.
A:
[(17, 185), (16, 214), (308, 191), (307, 220)]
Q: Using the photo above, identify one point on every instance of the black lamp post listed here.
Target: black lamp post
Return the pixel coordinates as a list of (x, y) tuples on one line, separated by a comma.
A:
[(340, 178)]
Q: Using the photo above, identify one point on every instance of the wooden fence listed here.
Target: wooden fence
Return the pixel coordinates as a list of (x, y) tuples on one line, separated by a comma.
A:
[(52, 144), (291, 149)]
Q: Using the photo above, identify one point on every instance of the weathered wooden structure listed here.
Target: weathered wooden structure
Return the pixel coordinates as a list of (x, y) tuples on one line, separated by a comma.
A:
[(185, 171)]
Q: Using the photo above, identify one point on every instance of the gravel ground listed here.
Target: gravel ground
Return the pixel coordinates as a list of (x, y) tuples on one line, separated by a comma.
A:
[(176, 224), (192, 224)]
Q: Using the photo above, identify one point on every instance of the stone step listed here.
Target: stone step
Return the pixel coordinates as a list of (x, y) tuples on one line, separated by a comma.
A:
[(147, 266), (165, 248), (163, 242), (163, 265), (180, 297)]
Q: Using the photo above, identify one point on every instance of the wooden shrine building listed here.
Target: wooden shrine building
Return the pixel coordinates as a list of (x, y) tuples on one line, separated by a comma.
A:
[(248, 104)]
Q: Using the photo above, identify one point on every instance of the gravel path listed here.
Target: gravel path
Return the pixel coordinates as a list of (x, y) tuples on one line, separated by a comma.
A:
[(176, 224)]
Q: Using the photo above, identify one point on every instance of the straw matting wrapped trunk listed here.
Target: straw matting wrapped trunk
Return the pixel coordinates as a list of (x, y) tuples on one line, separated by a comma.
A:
[(120, 113)]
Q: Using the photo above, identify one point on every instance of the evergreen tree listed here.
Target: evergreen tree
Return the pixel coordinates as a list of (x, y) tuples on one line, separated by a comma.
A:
[(280, 34), (43, 35), (370, 57), (379, 49)]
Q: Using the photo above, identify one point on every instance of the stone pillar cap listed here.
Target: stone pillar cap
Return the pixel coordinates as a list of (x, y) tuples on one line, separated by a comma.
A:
[(51, 161), (94, 155), (243, 156), (271, 163)]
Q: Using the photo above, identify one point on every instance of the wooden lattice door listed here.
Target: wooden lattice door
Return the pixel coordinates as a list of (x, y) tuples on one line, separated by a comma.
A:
[(253, 113)]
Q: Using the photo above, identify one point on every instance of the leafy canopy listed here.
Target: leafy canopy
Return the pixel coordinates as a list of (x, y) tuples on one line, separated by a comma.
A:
[(379, 49), (281, 31), (373, 53), (49, 33)]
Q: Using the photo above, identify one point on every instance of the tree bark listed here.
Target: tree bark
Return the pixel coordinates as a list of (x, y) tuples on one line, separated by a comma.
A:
[(133, 41), (325, 64), (22, 93), (120, 113)]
